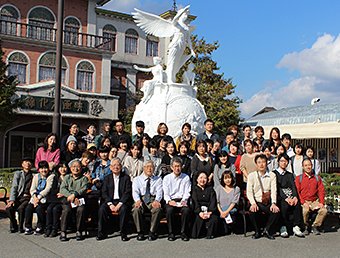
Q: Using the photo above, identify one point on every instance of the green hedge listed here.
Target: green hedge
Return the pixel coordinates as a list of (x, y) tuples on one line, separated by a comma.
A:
[(6, 177), (332, 189)]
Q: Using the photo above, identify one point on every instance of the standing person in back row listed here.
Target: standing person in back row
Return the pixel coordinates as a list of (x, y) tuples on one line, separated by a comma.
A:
[(209, 131), (120, 134)]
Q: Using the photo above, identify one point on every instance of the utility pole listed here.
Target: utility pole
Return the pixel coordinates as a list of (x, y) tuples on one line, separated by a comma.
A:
[(56, 123)]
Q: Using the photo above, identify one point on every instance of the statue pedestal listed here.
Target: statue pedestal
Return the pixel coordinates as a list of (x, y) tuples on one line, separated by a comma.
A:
[(174, 105)]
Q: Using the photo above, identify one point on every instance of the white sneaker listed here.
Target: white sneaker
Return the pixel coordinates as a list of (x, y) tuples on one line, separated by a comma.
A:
[(297, 232), (283, 232)]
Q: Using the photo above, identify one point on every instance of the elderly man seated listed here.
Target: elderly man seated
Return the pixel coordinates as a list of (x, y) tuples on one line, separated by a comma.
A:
[(147, 194), (73, 189)]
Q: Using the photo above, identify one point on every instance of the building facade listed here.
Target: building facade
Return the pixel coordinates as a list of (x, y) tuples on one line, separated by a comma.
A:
[(100, 48)]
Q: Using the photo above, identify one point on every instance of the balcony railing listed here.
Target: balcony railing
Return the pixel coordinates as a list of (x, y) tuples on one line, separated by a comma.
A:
[(48, 34)]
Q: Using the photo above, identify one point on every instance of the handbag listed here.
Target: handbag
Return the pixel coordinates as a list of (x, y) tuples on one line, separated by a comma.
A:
[(265, 195)]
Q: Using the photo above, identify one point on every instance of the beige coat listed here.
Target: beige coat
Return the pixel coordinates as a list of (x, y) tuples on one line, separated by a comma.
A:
[(254, 192)]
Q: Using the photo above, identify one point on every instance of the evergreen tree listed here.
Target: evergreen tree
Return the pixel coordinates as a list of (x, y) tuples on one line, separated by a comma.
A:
[(213, 91), (7, 92)]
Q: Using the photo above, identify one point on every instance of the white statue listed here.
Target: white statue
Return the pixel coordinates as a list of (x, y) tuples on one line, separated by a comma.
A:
[(180, 32), (158, 77), (165, 100)]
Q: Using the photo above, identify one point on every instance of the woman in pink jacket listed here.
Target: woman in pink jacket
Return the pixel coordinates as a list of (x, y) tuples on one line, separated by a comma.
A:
[(49, 152)]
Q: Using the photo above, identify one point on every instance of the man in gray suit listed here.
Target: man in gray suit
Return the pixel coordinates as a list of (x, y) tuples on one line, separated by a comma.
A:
[(147, 194), (20, 195)]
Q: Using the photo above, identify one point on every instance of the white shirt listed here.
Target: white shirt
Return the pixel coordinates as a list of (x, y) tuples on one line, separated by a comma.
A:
[(176, 187), (139, 187), (116, 187)]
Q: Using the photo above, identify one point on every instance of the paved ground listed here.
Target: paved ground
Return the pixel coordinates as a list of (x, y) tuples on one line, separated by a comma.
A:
[(19, 245)]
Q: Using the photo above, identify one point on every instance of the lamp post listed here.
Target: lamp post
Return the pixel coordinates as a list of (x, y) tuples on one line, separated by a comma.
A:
[(56, 122)]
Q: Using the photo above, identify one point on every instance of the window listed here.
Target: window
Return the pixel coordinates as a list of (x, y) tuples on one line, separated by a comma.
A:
[(8, 18), (151, 46), (85, 76), (72, 27), (109, 35), (131, 41), (47, 69), (40, 24), (17, 66)]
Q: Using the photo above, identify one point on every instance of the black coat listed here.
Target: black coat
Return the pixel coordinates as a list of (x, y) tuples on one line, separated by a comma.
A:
[(125, 188)]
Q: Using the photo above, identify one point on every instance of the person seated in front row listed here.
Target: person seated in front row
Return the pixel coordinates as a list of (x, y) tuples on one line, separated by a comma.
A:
[(262, 194), (147, 193), (176, 189), (20, 195), (116, 193), (312, 196), (40, 189), (287, 198), (73, 188), (204, 207), (228, 196)]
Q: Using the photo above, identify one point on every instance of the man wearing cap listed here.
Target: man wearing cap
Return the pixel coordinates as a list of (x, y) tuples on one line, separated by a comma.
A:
[(147, 194), (116, 192), (73, 188), (140, 126), (20, 195)]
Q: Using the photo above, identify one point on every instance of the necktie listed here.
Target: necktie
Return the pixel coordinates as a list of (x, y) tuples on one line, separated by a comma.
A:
[(147, 196)]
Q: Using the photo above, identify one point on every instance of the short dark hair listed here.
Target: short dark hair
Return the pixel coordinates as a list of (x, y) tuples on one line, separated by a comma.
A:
[(235, 143), (283, 155), (229, 133), (227, 173), (209, 120), (199, 142), (258, 128), (185, 144), (91, 124), (299, 145), (260, 156), (246, 126), (140, 124), (43, 164), (286, 136), (310, 147)]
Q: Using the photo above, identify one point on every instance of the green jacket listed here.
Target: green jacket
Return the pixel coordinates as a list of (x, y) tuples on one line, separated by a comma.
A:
[(70, 185)]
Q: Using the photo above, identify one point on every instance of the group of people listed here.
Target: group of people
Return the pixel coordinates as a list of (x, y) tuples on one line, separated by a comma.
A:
[(196, 179)]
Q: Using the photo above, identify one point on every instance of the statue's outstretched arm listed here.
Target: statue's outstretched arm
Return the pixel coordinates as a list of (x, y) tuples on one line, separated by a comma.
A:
[(146, 70)]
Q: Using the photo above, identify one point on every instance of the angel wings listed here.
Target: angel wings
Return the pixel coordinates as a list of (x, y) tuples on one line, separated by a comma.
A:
[(175, 28)]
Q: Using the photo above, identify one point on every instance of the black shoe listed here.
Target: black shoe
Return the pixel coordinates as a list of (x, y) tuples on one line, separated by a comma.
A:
[(54, 233), (47, 233), (184, 237), (63, 237), (79, 236), (152, 236), (257, 235), (124, 237), (171, 237), (140, 237), (13, 230), (21, 230), (316, 231), (267, 235), (210, 237)]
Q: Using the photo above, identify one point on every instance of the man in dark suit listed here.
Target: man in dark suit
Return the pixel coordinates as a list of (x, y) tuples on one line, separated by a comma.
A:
[(116, 192)]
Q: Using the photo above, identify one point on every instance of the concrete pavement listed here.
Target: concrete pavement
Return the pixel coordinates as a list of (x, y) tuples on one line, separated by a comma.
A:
[(20, 245)]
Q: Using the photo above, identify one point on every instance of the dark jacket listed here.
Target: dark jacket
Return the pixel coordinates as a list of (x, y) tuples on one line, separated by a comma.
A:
[(125, 188)]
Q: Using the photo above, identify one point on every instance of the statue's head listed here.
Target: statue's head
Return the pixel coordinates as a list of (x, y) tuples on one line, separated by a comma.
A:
[(157, 60), (183, 13)]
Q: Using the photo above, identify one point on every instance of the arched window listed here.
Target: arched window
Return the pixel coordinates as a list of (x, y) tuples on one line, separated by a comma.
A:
[(131, 41), (40, 24), (72, 29), (8, 18), (109, 35), (151, 46), (85, 76), (17, 66), (47, 69)]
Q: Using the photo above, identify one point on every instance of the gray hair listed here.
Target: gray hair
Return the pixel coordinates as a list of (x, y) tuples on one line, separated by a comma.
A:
[(149, 162), (116, 159), (73, 161), (176, 160)]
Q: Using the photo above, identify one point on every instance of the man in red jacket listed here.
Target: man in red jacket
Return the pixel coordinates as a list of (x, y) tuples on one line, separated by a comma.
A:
[(312, 195)]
